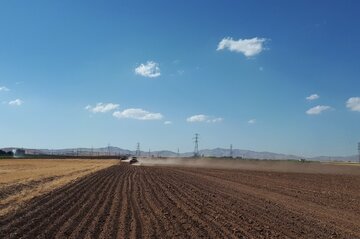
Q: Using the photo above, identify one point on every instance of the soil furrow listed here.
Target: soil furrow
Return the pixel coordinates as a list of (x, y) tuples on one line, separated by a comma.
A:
[(111, 226), (125, 201), (56, 218), (103, 211), (149, 206), (37, 204), (92, 204), (29, 219)]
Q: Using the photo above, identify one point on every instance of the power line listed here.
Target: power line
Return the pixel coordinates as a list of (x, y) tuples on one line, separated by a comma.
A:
[(137, 149), (359, 150), (196, 148)]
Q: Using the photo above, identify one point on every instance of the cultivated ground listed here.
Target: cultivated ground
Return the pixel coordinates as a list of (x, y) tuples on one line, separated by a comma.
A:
[(124, 201), (23, 179)]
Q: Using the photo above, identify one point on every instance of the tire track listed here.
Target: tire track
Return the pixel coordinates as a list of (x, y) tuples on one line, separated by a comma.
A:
[(137, 227), (126, 212)]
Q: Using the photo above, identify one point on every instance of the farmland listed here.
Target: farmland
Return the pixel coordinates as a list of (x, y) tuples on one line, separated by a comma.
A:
[(21, 180), (179, 201)]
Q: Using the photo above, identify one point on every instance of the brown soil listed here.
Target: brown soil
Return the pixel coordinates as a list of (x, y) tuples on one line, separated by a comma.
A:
[(125, 201), (13, 189)]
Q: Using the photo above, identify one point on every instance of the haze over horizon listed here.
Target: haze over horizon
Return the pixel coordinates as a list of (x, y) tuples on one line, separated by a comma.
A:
[(280, 77)]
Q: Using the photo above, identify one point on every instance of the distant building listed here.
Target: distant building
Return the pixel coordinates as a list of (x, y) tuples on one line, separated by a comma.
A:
[(18, 153)]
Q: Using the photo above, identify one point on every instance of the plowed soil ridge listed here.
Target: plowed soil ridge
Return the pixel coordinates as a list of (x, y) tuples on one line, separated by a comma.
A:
[(126, 201)]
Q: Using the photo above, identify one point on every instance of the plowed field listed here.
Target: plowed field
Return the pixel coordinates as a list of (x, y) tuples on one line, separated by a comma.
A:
[(125, 201), (24, 179)]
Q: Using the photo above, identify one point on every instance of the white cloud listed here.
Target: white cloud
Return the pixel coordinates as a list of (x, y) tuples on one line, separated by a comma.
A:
[(216, 120), (4, 88), (248, 47), (252, 121), (353, 103), (16, 102), (197, 118), (203, 118), (167, 122), (149, 69), (317, 109), (102, 108), (313, 97), (138, 114)]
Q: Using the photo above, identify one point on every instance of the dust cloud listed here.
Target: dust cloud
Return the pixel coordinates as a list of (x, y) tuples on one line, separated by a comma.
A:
[(255, 165)]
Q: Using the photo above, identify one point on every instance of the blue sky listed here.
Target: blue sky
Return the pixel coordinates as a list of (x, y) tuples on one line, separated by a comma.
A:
[(89, 73)]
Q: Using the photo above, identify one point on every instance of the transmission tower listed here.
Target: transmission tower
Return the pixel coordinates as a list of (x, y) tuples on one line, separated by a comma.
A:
[(196, 149), (231, 151), (138, 149), (359, 150), (149, 153), (178, 153), (108, 148)]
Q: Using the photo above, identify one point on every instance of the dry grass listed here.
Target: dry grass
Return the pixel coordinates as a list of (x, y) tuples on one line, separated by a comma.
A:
[(21, 180)]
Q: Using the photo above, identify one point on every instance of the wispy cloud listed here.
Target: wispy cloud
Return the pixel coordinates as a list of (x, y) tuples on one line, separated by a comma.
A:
[(16, 102), (252, 121), (313, 97), (318, 109), (353, 103), (167, 122), (4, 88), (180, 72), (102, 108), (197, 118), (204, 118), (216, 120), (138, 114), (150, 69), (248, 47)]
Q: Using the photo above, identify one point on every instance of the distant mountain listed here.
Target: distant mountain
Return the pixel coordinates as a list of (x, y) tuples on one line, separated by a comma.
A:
[(217, 152), (353, 158), (220, 152)]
